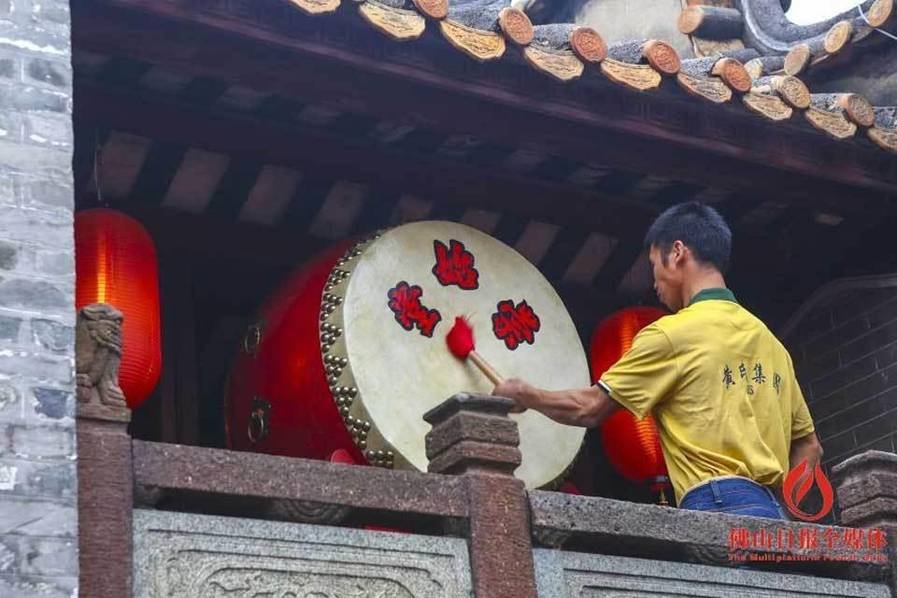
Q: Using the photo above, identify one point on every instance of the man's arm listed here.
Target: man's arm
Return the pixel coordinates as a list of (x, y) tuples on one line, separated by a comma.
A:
[(639, 380), (586, 407), (804, 442)]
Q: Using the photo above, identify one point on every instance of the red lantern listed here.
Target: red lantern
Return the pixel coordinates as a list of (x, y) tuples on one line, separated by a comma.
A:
[(631, 445), (115, 261)]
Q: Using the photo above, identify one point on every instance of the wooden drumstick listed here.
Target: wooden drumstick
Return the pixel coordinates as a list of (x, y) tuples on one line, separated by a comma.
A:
[(460, 342)]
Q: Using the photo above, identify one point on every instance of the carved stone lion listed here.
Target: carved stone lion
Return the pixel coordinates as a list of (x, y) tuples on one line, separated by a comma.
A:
[(98, 343)]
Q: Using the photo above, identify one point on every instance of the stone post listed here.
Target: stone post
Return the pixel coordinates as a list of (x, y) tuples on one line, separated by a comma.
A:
[(473, 436), (867, 495), (105, 483)]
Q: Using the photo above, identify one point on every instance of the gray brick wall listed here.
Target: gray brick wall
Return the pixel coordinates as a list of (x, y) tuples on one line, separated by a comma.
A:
[(38, 510), (845, 355)]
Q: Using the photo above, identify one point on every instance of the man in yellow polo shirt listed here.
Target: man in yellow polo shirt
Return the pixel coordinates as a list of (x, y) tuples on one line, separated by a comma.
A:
[(729, 411)]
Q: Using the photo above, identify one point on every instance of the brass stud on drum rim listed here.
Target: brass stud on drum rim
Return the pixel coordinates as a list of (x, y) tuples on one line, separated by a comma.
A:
[(343, 396)]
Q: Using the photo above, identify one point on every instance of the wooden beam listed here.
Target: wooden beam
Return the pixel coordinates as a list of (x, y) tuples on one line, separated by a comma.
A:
[(373, 76), (247, 137), (201, 237)]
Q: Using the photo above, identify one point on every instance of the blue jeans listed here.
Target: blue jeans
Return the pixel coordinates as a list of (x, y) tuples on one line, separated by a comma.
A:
[(735, 496)]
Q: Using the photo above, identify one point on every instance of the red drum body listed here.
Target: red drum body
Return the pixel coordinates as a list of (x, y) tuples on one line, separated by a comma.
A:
[(350, 353), (280, 357)]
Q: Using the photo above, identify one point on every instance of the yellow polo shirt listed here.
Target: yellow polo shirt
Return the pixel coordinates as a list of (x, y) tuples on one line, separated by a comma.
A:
[(721, 388)]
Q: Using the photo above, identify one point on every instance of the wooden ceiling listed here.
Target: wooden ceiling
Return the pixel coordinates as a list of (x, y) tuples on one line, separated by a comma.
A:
[(254, 130)]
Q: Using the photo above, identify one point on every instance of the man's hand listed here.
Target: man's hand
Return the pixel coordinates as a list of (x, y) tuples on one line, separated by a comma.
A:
[(521, 392), (809, 448)]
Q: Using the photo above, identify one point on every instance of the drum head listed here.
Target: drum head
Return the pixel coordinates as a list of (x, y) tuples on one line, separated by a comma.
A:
[(396, 297)]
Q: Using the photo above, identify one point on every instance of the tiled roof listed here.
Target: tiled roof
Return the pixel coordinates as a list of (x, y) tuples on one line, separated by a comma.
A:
[(748, 53)]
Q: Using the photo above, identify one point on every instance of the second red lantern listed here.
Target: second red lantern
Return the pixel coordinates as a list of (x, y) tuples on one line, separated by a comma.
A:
[(632, 445)]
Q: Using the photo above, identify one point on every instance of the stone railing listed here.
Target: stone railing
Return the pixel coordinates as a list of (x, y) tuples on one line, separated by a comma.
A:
[(192, 521)]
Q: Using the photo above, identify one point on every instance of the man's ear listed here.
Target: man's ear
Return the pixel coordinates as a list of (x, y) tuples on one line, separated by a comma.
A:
[(678, 251)]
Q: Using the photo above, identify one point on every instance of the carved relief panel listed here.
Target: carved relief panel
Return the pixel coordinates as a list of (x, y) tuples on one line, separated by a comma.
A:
[(199, 556)]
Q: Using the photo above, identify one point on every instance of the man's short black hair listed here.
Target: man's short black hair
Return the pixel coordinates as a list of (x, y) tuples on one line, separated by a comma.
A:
[(699, 227)]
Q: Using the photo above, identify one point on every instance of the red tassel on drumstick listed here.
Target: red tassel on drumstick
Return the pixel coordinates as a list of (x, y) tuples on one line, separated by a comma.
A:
[(461, 343)]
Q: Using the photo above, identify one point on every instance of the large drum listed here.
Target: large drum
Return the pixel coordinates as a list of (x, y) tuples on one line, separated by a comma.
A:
[(350, 353)]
